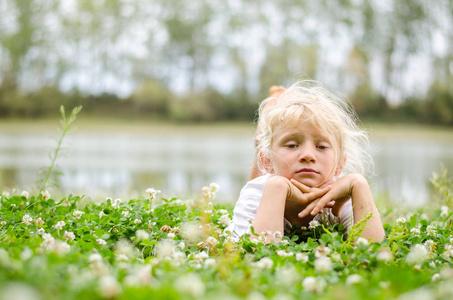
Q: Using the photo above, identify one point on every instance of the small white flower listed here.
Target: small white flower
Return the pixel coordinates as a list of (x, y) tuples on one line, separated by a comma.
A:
[(210, 262), (171, 235), (384, 255), (190, 284), (25, 194), (312, 284), (152, 193), (69, 235), (225, 220), (211, 241), (323, 265), (3, 223), (353, 279), (265, 263), (77, 214), (125, 213), (214, 187), (313, 224), (415, 231), (142, 234), (436, 277), (321, 251), (100, 242), (95, 257), (417, 254), (223, 211), (362, 242), (400, 221), (59, 225), (301, 257), (278, 235), (430, 244), (109, 287), (45, 195), (61, 248), (41, 231), (101, 214), (27, 220), (5, 194), (137, 221), (431, 229), (39, 221), (200, 256), (444, 211), (121, 257), (181, 245)]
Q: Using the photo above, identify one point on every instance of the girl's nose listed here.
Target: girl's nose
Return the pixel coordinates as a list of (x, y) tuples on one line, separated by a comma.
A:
[(307, 153)]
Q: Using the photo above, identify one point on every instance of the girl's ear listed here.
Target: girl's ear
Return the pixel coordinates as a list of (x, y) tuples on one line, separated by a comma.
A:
[(266, 163), (340, 166)]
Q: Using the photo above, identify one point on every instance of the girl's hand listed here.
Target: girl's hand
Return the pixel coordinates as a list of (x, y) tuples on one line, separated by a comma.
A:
[(304, 195), (340, 192)]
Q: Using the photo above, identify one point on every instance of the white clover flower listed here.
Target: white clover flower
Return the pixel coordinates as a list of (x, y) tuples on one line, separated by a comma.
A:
[(192, 232), (210, 262), (302, 257), (101, 214), (61, 248), (77, 214), (321, 251), (312, 284), (41, 231), (95, 257), (430, 244), (181, 245), (211, 241), (13, 205), (116, 203), (27, 220), (201, 256), (3, 223), (323, 265), (384, 255), (435, 277), (190, 284), (362, 242), (45, 195), (142, 234), (152, 193), (39, 221), (278, 235), (225, 220), (137, 221), (417, 254), (171, 235), (100, 242), (265, 263), (214, 187), (431, 229), (121, 257), (313, 224), (353, 279), (451, 239), (165, 249), (59, 225), (448, 251), (69, 235), (444, 211), (223, 211), (25, 194), (109, 287), (125, 213), (5, 194), (415, 231), (400, 221)]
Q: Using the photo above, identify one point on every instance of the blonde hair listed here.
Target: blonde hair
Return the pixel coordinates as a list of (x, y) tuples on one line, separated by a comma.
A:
[(308, 101)]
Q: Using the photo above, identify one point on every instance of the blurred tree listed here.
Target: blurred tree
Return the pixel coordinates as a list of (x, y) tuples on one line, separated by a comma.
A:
[(152, 97)]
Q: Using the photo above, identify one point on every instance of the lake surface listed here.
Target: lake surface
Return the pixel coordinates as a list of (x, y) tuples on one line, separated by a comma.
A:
[(125, 164)]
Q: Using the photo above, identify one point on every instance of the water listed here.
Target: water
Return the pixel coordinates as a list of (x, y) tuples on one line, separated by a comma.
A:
[(99, 164)]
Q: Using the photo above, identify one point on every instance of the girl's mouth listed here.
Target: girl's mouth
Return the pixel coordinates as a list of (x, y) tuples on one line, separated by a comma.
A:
[(307, 171)]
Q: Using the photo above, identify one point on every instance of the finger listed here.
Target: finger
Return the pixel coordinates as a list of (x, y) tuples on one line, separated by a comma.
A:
[(306, 211), (302, 187), (317, 193), (320, 204)]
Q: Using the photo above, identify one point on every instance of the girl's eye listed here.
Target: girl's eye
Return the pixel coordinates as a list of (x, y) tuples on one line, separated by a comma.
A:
[(322, 147), (292, 146)]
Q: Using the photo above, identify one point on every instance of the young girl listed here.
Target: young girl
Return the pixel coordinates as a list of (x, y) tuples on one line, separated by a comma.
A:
[(307, 138)]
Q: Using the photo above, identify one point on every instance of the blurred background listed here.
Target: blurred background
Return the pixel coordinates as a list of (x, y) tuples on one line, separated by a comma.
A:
[(169, 88)]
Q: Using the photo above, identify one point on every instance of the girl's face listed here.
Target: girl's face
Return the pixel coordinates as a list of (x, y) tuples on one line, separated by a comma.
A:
[(303, 153)]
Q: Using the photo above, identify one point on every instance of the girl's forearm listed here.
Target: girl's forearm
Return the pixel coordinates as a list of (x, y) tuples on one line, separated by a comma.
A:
[(270, 214), (363, 205)]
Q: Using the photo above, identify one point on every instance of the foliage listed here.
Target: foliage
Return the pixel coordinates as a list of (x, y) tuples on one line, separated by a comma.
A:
[(66, 123), (177, 249)]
